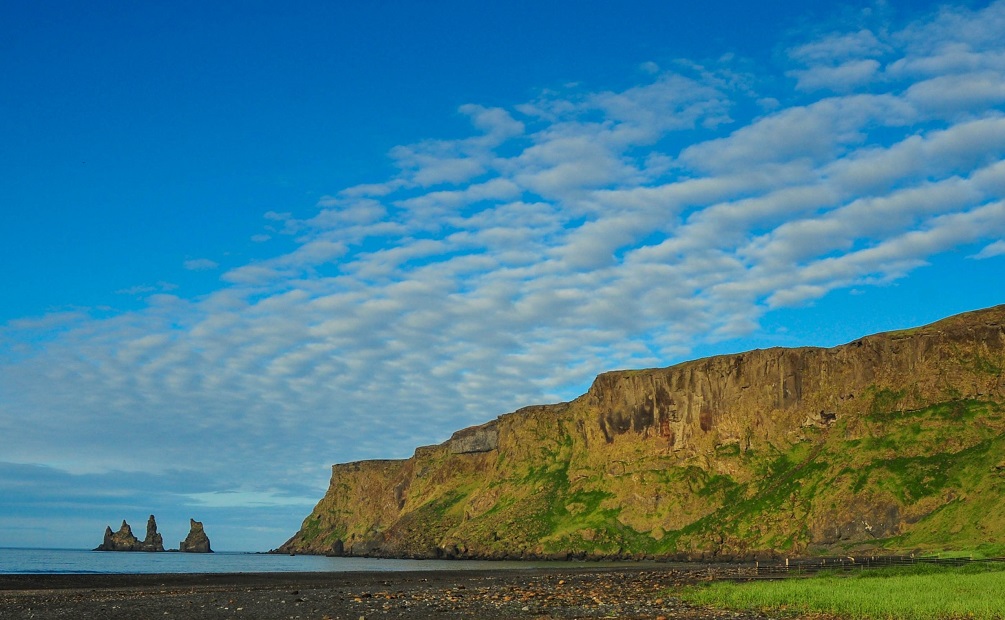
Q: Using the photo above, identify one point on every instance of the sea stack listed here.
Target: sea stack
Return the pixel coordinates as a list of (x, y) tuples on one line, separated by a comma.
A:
[(124, 540), (196, 541), (153, 540)]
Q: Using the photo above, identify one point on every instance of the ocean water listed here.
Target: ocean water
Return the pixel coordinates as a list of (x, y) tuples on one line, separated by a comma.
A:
[(13, 560)]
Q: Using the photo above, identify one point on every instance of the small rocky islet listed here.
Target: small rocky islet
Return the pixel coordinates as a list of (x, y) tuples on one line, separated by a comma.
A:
[(124, 540)]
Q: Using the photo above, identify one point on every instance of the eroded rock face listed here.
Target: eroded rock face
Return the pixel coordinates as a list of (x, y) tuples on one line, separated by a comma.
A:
[(196, 541), (124, 540), (777, 450), (484, 438)]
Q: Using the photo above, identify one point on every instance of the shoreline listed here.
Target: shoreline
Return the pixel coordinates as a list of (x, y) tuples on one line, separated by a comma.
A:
[(630, 592)]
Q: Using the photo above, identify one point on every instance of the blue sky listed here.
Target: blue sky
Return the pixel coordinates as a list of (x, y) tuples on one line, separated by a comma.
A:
[(243, 242)]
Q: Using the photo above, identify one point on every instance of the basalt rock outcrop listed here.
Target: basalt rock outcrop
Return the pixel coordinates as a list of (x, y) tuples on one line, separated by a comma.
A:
[(124, 540), (196, 541), (890, 443)]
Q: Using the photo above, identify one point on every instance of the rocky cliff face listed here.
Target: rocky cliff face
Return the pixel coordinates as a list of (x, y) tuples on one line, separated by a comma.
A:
[(892, 442)]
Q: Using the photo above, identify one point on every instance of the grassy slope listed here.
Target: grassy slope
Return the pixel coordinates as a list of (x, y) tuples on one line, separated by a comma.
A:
[(922, 592)]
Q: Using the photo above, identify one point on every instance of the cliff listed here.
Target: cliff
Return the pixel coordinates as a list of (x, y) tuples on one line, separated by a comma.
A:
[(891, 443)]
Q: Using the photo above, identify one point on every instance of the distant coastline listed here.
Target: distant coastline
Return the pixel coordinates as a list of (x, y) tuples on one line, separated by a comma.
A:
[(21, 560)]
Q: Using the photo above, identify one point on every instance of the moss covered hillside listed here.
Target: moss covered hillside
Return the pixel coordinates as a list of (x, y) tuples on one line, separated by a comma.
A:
[(892, 443)]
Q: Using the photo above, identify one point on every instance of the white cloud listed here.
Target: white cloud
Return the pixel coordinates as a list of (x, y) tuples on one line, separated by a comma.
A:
[(253, 274), (989, 251), (843, 77), (247, 499), (839, 48), (341, 212), (49, 322), (672, 102), (497, 124), (816, 133), (958, 92), (147, 289), (446, 203), (201, 264), (314, 252), (649, 67), (959, 149), (840, 62), (435, 162)]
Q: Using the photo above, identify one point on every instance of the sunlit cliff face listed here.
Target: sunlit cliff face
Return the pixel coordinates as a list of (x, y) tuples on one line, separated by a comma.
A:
[(887, 443)]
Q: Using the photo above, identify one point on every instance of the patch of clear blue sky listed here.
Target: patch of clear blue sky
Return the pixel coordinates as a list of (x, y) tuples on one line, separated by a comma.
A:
[(951, 283), (135, 136)]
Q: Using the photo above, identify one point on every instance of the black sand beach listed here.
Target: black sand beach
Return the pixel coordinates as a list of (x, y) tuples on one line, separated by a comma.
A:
[(630, 593)]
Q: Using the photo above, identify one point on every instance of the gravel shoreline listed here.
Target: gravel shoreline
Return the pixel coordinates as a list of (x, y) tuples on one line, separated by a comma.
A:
[(541, 593)]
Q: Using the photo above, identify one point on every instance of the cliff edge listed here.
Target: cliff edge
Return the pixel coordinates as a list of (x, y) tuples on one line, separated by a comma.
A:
[(892, 443)]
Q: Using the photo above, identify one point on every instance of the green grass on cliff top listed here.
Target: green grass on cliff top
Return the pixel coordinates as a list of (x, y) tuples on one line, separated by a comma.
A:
[(919, 592)]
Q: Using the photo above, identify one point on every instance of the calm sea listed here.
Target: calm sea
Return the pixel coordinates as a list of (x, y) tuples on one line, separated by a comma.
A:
[(81, 561)]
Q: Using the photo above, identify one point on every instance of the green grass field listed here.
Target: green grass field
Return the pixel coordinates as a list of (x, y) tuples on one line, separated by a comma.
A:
[(919, 592)]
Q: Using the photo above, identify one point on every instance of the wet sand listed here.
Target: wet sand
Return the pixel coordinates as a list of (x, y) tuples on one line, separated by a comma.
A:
[(629, 593)]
